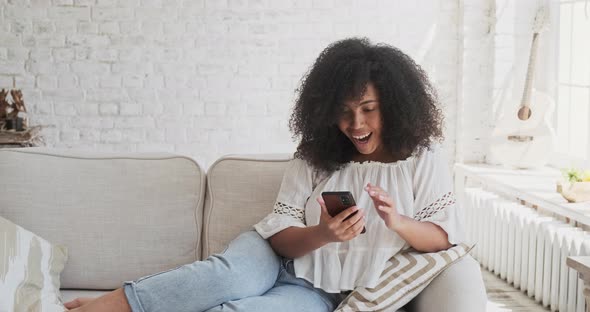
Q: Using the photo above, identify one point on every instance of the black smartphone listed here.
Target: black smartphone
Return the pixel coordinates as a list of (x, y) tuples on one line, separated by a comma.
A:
[(336, 202)]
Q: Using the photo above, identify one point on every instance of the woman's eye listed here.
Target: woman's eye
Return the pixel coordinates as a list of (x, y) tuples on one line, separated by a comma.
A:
[(369, 109)]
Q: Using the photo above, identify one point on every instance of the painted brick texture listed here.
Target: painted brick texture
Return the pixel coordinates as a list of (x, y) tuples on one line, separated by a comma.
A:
[(201, 78)]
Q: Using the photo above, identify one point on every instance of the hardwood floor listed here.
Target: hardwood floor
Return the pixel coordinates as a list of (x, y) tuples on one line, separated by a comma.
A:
[(503, 297)]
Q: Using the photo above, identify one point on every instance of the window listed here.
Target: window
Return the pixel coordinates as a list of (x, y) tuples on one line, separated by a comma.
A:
[(573, 84)]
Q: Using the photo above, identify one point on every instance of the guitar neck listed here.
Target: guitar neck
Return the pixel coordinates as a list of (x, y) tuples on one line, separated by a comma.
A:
[(528, 83)]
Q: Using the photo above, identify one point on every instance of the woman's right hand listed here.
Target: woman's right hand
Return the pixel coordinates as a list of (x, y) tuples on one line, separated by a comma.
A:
[(336, 229)]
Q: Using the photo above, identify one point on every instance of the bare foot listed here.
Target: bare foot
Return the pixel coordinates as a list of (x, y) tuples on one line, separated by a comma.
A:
[(78, 302), (114, 301)]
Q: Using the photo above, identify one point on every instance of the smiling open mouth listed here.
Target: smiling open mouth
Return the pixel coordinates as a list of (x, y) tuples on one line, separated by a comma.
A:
[(363, 139)]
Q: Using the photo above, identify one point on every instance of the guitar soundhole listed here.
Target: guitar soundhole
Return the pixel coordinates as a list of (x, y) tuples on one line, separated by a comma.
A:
[(524, 113)]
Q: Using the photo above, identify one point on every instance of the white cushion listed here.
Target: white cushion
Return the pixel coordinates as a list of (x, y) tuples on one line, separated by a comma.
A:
[(29, 270), (405, 276), (460, 288)]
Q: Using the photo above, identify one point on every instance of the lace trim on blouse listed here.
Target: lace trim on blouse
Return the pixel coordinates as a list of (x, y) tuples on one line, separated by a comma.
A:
[(446, 200), (370, 163), (284, 209)]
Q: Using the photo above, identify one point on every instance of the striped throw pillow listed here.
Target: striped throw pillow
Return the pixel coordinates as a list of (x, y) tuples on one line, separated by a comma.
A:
[(405, 276), (29, 270)]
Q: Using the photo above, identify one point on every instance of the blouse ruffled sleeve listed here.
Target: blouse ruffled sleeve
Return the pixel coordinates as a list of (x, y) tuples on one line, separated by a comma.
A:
[(289, 208), (434, 199)]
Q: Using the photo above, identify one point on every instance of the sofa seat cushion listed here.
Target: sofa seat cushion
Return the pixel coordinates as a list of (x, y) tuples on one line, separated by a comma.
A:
[(71, 294)]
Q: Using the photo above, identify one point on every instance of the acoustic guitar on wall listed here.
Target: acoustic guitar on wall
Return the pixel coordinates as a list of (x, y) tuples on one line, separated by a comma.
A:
[(523, 136)]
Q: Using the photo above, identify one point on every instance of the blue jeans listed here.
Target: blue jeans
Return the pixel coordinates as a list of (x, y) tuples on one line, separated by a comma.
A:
[(247, 276)]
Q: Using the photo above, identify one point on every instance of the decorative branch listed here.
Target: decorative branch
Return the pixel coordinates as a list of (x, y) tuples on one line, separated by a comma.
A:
[(18, 105), (4, 105), (13, 116), (17, 97)]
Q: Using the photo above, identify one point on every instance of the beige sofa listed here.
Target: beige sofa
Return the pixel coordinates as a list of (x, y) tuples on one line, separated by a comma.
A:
[(123, 216)]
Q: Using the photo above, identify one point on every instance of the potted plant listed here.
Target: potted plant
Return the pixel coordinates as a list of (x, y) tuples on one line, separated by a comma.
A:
[(576, 187)]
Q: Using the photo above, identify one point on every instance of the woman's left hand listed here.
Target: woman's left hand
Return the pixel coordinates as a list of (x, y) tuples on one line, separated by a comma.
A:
[(384, 205)]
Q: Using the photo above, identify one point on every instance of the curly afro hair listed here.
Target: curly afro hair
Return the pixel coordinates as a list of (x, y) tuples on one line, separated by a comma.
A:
[(411, 118)]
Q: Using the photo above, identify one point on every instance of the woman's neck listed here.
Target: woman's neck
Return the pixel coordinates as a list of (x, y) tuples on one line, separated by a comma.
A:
[(381, 157)]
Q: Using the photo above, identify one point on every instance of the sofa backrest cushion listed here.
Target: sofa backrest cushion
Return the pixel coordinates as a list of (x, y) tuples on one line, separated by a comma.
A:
[(241, 190), (121, 216)]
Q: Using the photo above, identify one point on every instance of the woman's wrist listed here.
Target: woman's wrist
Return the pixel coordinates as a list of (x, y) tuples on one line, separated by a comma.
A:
[(399, 224), (319, 235)]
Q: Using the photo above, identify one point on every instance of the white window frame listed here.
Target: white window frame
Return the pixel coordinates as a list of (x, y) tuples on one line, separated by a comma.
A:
[(560, 159)]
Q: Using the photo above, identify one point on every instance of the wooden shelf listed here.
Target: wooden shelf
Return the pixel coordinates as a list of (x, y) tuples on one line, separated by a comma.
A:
[(582, 265), (29, 137)]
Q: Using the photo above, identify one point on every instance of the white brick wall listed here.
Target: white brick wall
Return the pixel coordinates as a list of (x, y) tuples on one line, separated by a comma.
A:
[(203, 78), (476, 75)]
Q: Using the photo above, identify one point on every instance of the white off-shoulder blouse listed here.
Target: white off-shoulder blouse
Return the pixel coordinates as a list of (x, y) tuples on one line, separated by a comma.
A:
[(421, 187)]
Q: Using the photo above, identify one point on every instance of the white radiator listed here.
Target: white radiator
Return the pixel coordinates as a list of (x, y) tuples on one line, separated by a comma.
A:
[(526, 249)]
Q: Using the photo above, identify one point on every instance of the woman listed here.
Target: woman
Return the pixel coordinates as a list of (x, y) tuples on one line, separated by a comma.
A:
[(367, 120)]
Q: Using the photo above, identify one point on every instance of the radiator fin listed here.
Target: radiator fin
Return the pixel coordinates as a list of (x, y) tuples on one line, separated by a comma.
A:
[(526, 249)]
